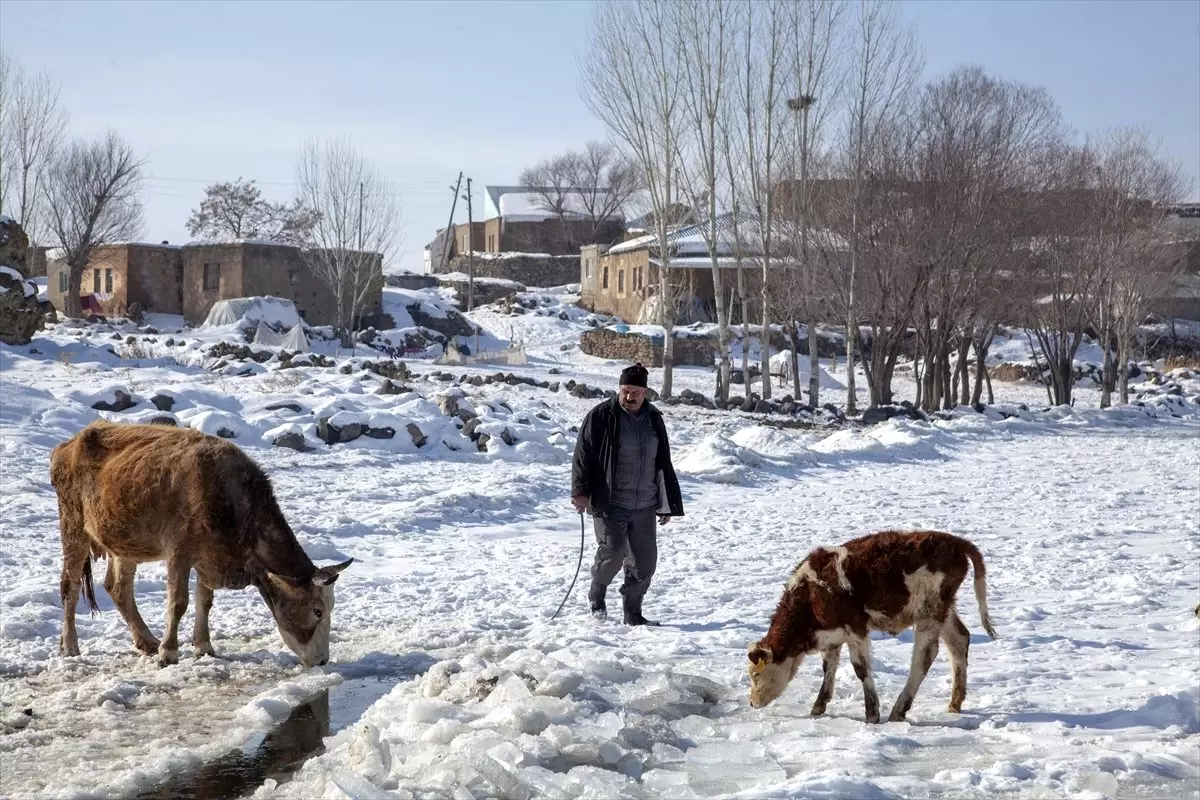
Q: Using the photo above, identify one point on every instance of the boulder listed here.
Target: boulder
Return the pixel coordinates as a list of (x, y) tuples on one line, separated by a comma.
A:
[(294, 441), (121, 402), (21, 313), (162, 402), (379, 433), (334, 434), (507, 437), (448, 404), (295, 408), (482, 442), (418, 437)]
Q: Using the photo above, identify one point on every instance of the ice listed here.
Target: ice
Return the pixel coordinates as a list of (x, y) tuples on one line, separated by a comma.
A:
[(728, 767)]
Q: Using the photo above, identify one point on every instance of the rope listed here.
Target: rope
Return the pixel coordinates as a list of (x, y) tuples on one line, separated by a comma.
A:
[(577, 566)]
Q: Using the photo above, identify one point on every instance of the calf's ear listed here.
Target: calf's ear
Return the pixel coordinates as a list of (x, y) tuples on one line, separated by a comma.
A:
[(759, 656), (284, 582), (327, 575)]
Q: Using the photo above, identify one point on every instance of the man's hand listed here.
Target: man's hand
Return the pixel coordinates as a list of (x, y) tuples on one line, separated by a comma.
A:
[(663, 519), (580, 501)]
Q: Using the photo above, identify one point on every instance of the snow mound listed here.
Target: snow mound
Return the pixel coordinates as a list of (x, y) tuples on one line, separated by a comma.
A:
[(247, 312), (720, 460)]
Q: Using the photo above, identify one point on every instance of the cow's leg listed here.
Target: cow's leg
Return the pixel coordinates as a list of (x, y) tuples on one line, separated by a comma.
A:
[(76, 548), (829, 664), (958, 642), (200, 634), (178, 572), (118, 582), (925, 649), (860, 658)]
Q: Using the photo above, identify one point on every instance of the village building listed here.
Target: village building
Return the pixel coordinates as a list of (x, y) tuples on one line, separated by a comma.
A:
[(190, 279)]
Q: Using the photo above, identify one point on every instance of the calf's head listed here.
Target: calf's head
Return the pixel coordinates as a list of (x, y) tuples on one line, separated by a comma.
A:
[(302, 609), (769, 674)]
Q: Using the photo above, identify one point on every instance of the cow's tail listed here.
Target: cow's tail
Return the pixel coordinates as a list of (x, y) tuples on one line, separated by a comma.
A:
[(980, 587), (89, 591)]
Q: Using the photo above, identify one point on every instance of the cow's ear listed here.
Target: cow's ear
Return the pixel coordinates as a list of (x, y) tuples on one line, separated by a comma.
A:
[(327, 575), (283, 582), (759, 655)]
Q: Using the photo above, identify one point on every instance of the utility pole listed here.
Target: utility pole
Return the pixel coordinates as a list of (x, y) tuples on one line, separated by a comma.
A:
[(450, 223), (470, 251)]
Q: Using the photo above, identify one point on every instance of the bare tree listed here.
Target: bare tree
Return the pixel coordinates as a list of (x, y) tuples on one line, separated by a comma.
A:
[(1134, 188), (886, 63), (594, 185), (816, 76), (357, 228), (32, 127), (707, 29), (237, 210), (92, 200), (630, 82)]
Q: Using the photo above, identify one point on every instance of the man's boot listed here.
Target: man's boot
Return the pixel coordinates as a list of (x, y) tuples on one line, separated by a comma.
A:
[(596, 603), (633, 615)]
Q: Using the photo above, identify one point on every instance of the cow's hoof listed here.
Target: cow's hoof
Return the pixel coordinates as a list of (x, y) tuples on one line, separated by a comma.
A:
[(817, 711), (954, 708), (66, 649), (872, 719), (205, 649), (147, 647), (168, 657), (895, 717)]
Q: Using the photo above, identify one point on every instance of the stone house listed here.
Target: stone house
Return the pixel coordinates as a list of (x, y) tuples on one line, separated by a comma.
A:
[(623, 280), (190, 279)]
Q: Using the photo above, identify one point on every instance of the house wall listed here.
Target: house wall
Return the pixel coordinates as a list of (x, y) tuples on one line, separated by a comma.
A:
[(478, 239), (493, 235), (553, 236), (198, 301), (154, 278), (620, 297)]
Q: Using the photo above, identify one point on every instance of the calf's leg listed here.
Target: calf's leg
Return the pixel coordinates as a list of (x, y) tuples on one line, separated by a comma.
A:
[(829, 664), (76, 548), (958, 642), (177, 602), (860, 658), (200, 634), (118, 582), (925, 649)]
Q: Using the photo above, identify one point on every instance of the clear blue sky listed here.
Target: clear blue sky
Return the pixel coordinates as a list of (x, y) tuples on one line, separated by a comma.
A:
[(212, 90)]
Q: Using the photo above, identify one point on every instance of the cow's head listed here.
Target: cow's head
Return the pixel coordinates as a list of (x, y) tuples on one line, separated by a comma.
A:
[(302, 608), (769, 676)]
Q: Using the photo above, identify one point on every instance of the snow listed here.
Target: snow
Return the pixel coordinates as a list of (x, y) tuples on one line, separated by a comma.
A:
[(28, 287), (1087, 519)]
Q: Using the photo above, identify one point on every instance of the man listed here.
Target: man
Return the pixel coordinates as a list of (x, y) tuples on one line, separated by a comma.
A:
[(622, 475)]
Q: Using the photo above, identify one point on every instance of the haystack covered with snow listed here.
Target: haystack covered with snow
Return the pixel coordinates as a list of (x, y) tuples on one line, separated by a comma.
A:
[(247, 312)]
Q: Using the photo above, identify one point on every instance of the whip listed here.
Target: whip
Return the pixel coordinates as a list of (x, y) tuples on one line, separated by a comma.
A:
[(577, 566)]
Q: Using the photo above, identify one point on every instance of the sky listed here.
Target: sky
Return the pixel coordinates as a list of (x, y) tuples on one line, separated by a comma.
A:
[(213, 91)]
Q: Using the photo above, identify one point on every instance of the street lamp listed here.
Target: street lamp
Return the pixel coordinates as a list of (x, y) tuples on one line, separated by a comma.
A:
[(801, 105)]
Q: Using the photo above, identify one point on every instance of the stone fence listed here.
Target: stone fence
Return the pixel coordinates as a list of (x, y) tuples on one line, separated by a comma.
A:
[(528, 269), (607, 343)]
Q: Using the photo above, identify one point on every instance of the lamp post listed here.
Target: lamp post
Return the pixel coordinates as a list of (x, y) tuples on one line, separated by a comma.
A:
[(801, 106)]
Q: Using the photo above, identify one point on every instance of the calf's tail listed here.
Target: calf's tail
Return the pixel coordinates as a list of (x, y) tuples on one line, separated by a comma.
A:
[(980, 587), (89, 592)]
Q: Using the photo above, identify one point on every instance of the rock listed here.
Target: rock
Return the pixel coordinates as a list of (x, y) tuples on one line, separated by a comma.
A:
[(121, 402), (763, 407), (21, 313), (749, 403), (507, 437), (388, 387), (466, 415), (225, 433), (14, 245), (554, 371), (482, 442), (379, 433), (333, 434), (471, 426), (293, 407), (554, 387), (162, 402), (136, 313), (166, 421), (294, 441), (448, 404), (418, 437)]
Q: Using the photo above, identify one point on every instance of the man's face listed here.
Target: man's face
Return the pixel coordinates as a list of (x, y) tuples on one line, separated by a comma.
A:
[(631, 397)]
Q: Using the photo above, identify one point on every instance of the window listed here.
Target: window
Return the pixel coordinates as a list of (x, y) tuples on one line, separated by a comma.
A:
[(491, 242), (464, 244), (587, 268), (212, 276), (64, 282), (95, 281), (108, 286), (620, 280), (605, 284)]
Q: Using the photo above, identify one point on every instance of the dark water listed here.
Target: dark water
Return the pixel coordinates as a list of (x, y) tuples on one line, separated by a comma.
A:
[(281, 751)]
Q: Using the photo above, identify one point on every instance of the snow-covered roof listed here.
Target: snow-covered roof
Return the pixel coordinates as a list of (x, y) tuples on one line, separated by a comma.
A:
[(528, 203)]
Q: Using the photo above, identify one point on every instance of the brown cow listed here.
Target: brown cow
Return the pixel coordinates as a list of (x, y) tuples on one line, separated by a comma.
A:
[(136, 493), (887, 582)]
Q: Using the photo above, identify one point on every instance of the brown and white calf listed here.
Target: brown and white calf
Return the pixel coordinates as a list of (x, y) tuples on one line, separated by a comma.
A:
[(887, 581), (138, 493)]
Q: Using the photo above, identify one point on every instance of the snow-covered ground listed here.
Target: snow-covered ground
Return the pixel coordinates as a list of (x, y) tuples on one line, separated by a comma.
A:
[(1089, 521)]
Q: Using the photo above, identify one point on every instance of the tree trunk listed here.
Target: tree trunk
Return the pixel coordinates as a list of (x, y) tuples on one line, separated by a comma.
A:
[(668, 359), (74, 305), (765, 355), (947, 397), (745, 300), (1106, 373), (814, 362), (794, 332), (1122, 365)]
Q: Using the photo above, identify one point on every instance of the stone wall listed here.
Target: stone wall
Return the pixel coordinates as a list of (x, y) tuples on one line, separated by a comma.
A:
[(531, 270), (413, 281), (487, 290), (606, 343)]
